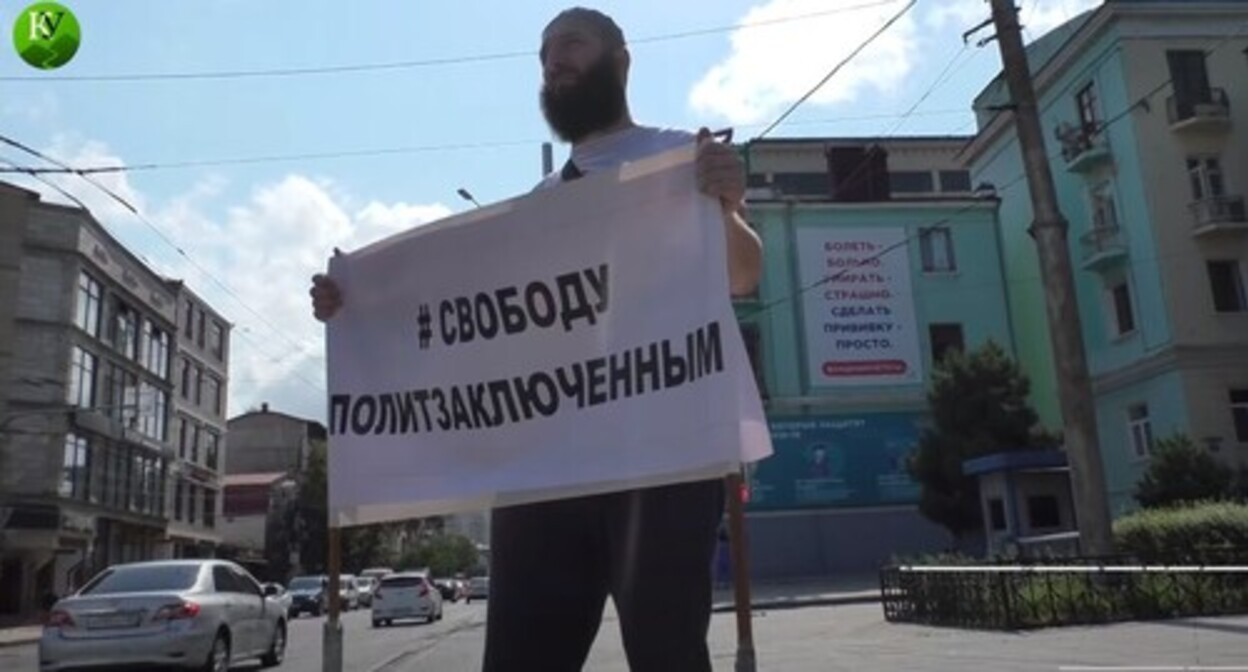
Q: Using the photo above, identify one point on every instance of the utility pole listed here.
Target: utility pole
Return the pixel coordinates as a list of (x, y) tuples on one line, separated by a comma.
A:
[(1049, 229)]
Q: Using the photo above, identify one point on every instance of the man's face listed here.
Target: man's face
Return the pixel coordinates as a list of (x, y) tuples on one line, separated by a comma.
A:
[(582, 81)]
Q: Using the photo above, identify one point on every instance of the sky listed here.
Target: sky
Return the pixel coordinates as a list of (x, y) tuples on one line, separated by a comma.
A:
[(456, 107)]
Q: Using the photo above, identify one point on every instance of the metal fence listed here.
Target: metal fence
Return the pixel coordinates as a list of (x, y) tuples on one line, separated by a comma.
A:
[(1067, 591)]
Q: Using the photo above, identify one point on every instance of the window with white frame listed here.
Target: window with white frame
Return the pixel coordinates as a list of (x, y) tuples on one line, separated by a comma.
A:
[(90, 294), (936, 249), (1139, 430), (1104, 212), (1205, 176), (82, 378)]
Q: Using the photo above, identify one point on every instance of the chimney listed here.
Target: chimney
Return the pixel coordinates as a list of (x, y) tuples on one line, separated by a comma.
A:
[(264, 407)]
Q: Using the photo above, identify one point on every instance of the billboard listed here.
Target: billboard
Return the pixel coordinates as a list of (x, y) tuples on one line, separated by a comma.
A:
[(837, 460), (858, 307)]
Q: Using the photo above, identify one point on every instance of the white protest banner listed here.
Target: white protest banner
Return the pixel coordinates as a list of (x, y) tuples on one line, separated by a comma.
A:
[(860, 324), (575, 341)]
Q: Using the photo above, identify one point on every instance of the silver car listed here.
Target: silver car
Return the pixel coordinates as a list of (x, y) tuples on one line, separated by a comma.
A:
[(190, 614)]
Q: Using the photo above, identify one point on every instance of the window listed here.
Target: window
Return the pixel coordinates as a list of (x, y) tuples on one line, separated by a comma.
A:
[(1140, 430), (199, 385), (155, 408), (936, 246), (212, 447), (185, 374), (1190, 76), (191, 501), (212, 394), (955, 181), (224, 580), (996, 512), (82, 378), (200, 318), (179, 491), (188, 319), (1044, 511), (184, 426), (1204, 174), (210, 508), (125, 334), (1085, 100), (216, 340), (89, 297), (1120, 302), (1239, 411), (945, 338), (1104, 212), (155, 350), (911, 182), (122, 389), (802, 184), (74, 474), (1227, 283), (195, 444)]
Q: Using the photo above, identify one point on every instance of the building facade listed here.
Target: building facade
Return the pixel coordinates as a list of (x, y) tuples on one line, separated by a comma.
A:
[(1145, 108), (879, 259), (86, 341), (198, 428), (267, 441)]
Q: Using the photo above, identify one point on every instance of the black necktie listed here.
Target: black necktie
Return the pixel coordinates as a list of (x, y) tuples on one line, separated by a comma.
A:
[(570, 172)]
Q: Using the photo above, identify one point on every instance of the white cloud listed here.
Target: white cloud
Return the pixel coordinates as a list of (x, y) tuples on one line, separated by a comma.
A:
[(264, 249), (772, 66)]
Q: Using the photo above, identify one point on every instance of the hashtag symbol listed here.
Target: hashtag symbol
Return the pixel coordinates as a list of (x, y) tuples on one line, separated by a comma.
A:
[(424, 322)]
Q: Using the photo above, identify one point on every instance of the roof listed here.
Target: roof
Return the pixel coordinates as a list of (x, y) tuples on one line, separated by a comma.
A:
[(862, 140), (270, 412), (242, 480), (1019, 460)]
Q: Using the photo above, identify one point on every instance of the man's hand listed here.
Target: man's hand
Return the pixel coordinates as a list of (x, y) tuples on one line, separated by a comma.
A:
[(326, 297), (721, 172)]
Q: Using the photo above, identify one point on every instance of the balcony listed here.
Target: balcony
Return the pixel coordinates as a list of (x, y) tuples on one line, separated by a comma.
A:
[(1103, 247), (1204, 114), (1219, 214), (1083, 147)]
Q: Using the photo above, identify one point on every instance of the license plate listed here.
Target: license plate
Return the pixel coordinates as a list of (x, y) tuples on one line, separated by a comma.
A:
[(121, 620)]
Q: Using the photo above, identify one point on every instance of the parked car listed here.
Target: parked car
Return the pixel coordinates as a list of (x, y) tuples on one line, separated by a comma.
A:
[(453, 590), (192, 614), (279, 594), (377, 573), (365, 585), (478, 588), (348, 592), (309, 594), (406, 595)]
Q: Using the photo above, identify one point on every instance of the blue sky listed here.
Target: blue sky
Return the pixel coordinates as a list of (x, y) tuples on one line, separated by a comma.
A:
[(262, 229)]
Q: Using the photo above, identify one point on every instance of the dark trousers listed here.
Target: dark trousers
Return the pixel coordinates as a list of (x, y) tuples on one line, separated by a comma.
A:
[(553, 565)]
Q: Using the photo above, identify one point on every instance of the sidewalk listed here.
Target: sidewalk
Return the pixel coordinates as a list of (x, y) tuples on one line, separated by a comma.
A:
[(19, 634), (806, 592)]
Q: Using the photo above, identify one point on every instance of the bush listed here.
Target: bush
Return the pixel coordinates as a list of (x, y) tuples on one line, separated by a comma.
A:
[(1185, 531), (1181, 471)]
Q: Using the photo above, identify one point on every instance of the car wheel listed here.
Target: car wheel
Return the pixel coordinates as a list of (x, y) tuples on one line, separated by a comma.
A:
[(376, 623), (219, 655), (277, 649)]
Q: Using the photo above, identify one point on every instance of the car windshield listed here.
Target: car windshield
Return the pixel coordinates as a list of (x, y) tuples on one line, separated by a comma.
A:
[(144, 578), (402, 582), (305, 583)]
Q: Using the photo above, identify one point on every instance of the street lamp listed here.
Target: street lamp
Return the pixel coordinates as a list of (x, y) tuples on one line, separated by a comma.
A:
[(467, 196)]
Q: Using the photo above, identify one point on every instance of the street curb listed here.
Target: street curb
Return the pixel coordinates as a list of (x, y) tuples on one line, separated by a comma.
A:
[(801, 602), (19, 642)]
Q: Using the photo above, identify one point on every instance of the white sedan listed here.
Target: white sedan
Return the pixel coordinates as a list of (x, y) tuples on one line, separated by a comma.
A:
[(406, 595)]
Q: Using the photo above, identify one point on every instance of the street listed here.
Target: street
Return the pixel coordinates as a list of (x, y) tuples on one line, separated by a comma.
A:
[(816, 639)]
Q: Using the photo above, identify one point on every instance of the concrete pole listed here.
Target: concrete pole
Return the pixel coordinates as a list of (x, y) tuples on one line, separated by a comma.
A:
[(746, 661), (1049, 230), (331, 642)]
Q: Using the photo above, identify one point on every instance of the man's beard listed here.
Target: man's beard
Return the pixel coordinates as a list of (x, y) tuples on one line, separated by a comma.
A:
[(594, 102)]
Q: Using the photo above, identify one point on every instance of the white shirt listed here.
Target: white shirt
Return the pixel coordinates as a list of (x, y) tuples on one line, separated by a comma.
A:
[(611, 151)]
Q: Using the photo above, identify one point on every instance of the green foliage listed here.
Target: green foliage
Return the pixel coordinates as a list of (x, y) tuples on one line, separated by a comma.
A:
[(979, 407), (312, 510), (1181, 471), (442, 554), (1185, 530)]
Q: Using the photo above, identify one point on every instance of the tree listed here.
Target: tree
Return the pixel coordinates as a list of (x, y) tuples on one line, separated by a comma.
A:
[(313, 510), (442, 554), (1180, 472), (979, 407)]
